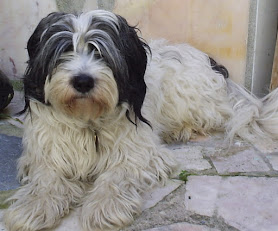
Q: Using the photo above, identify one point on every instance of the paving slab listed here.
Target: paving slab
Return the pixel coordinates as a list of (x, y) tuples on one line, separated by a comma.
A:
[(170, 211), (273, 160), (190, 158), (246, 203), (183, 226), (1, 218), (10, 150), (151, 198), (245, 161), (266, 147), (217, 141), (202, 194)]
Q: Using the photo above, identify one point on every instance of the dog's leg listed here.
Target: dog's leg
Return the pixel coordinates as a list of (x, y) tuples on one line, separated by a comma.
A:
[(41, 203), (178, 132), (112, 202), (115, 196), (49, 190)]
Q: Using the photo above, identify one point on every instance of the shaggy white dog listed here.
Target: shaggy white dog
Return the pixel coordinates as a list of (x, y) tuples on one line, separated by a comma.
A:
[(94, 131)]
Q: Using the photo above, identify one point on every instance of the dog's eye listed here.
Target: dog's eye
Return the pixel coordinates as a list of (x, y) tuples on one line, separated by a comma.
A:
[(94, 50), (97, 54)]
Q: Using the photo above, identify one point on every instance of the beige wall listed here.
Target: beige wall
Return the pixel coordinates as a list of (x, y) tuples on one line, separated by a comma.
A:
[(18, 19), (217, 27)]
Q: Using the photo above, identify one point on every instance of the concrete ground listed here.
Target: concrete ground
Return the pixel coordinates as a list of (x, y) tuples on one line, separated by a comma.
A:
[(215, 189)]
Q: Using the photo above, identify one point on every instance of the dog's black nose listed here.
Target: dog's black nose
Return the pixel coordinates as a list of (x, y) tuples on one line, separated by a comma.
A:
[(83, 83)]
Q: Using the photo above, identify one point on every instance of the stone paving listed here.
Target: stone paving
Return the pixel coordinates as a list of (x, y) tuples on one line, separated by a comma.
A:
[(216, 187)]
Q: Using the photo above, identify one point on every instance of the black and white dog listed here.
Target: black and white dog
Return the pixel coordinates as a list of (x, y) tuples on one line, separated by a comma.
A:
[(100, 102)]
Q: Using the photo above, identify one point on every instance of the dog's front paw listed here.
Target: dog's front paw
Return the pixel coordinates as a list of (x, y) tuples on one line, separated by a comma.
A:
[(108, 213), (32, 213), (181, 134)]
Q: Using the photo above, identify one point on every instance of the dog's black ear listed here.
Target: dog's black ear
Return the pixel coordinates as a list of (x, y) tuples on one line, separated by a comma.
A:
[(133, 50), (44, 24), (35, 73)]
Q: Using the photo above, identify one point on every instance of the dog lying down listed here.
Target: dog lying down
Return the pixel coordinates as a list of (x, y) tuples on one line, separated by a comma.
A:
[(100, 103)]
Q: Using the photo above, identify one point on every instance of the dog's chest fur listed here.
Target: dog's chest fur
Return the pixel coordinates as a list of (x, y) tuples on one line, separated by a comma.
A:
[(66, 147), (74, 149)]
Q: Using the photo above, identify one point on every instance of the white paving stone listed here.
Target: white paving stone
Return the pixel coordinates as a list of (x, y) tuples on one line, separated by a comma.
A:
[(150, 199), (245, 161), (1, 220), (191, 158), (183, 227), (273, 160), (245, 203), (249, 203), (201, 194), (266, 147)]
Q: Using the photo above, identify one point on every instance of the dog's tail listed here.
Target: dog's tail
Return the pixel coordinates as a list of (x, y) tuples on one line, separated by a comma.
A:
[(254, 119)]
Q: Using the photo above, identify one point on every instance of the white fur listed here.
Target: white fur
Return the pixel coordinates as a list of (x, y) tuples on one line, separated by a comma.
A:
[(86, 153), (185, 96), (68, 171)]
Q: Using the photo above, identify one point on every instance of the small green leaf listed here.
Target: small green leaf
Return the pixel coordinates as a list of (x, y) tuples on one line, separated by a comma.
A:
[(184, 175)]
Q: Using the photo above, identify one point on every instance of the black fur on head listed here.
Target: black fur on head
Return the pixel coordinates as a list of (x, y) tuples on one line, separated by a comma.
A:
[(39, 64), (117, 42)]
